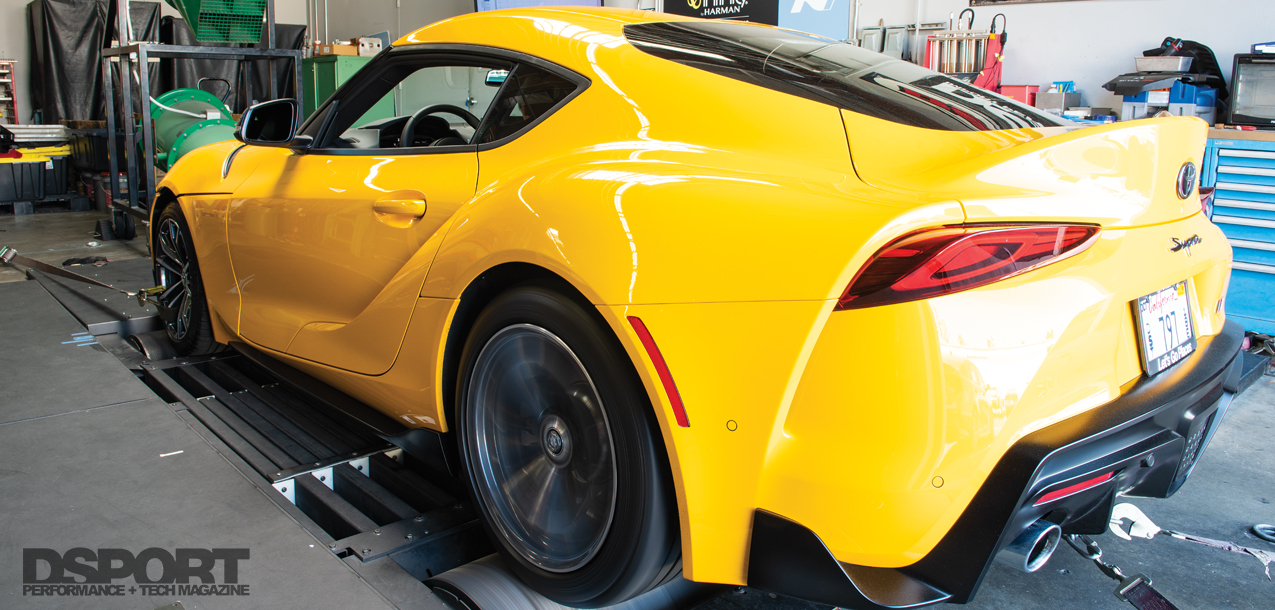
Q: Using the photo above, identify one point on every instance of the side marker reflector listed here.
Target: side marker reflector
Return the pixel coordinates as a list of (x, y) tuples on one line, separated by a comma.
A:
[(1074, 489), (661, 367)]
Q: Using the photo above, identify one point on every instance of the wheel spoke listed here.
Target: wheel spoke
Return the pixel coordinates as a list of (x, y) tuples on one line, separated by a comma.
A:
[(173, 293), (171, 268), (184, 317)]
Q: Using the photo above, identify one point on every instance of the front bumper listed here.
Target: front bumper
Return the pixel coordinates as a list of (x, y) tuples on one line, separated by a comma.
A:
[(1150, 439)]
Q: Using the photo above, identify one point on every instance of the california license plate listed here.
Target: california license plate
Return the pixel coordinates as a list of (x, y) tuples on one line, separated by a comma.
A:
[(1164, 318)]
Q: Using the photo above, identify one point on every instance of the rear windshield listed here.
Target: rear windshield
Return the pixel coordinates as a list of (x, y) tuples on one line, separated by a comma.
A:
[(835, 73)]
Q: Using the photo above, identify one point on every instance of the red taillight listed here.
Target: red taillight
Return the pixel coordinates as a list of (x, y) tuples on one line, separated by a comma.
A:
[(1074, 489), (1206, 200), (953, 259)]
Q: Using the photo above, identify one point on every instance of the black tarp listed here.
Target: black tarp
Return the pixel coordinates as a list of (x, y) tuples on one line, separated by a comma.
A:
[(67, 38), (187, 73), (287, 36), (182, 73)]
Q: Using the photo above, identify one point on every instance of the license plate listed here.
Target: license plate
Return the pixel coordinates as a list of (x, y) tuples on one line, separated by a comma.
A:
[(1164, 318)]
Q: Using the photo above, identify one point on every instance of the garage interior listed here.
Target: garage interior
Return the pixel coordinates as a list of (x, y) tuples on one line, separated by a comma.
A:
[(111, 440)]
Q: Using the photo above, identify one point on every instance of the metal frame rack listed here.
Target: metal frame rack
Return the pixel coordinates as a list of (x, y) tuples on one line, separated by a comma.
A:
[(127, 206)]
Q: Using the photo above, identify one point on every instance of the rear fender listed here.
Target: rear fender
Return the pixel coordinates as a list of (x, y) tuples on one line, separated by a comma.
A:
[(709, 253)]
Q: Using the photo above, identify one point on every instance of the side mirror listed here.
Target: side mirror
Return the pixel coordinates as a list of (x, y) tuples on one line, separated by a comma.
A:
[(272, 123), (496, 78)]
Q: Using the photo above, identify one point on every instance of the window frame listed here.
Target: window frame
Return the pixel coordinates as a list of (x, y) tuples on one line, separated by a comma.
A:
[(321, 124)]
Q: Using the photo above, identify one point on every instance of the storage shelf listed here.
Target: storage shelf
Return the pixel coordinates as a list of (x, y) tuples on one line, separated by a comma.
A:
[(1242, 170)]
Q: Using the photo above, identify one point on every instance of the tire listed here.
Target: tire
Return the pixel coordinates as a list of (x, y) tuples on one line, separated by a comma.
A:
[(122, 224), (548, 400), (178, 272)]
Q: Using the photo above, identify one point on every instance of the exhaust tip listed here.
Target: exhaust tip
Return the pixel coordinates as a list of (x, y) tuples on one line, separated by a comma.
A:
[(1032, 548)]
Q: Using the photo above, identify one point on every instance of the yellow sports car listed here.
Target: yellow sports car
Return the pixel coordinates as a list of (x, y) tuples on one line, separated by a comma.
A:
[(723, 299)]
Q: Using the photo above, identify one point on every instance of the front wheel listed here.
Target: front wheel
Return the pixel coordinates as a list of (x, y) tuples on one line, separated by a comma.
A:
[(177, 271), (563, 453)]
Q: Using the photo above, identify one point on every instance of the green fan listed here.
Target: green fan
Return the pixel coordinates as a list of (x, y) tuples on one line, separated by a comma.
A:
[(223, 20)]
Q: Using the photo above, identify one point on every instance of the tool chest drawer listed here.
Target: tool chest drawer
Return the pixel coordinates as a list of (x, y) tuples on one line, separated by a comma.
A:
[(1242, 172)]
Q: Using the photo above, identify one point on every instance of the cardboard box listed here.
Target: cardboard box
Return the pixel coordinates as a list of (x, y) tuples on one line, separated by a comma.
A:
[(338, 49), (1057, 102)]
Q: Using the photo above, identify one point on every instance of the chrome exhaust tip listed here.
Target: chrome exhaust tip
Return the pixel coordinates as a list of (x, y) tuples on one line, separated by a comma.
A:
[(1032, 548)]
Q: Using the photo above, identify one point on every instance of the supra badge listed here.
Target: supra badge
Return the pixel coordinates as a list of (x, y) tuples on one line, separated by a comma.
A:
[(1184, 244)]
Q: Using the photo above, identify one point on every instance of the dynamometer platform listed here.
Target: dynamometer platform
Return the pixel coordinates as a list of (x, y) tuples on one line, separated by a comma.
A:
[(232, 480)]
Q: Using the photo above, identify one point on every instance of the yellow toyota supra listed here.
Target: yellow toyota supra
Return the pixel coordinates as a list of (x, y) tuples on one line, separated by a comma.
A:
[(724, 300)]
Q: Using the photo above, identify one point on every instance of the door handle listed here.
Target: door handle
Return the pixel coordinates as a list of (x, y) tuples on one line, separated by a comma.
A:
[(400, 207)]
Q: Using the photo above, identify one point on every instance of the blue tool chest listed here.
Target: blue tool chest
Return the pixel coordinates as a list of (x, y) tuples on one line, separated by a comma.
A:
[(1243, 173)]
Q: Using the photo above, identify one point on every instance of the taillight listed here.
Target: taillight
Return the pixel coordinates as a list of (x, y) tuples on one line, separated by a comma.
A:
[(953, 259), (1206, 200)]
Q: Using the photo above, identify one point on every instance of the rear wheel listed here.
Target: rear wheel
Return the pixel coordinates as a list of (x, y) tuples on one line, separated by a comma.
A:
[(563, 454), (178, 272)]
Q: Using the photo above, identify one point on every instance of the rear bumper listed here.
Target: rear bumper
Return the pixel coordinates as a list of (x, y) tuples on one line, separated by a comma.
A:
[(1150, 439)]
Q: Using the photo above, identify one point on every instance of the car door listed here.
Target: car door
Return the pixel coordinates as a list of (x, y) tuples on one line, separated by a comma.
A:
[(330, 246)]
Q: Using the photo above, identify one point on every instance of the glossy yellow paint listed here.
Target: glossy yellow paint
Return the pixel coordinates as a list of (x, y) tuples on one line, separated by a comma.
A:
[(729, 223), (1117, 175), (329, 254)]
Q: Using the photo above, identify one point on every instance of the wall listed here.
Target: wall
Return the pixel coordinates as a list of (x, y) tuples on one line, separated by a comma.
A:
[(349, 19), (1092, 41), (15, 45)]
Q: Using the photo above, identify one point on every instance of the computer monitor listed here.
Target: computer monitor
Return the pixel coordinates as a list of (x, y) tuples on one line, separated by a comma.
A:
[(1253, 90)]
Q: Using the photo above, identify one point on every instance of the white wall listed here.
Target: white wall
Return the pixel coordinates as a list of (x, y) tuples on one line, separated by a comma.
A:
[(352, 18), (15, 45), (1092, 41)]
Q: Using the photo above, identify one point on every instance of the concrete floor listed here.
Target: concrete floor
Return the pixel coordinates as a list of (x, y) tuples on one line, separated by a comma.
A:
[(1232, 488), (55, 237)]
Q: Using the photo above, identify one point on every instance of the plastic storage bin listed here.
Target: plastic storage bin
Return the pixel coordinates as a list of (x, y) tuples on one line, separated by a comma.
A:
[(1022, 93)]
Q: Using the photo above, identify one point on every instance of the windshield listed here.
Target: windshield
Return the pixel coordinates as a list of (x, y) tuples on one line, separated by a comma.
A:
[(835, 73)]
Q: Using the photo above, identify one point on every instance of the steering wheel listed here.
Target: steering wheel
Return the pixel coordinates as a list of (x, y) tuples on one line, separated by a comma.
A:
[(409, 130)]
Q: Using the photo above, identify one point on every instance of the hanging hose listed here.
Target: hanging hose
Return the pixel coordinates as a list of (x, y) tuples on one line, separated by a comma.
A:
[(183, 112)]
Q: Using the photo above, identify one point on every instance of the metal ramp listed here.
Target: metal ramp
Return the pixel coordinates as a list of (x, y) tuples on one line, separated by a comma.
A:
[(369, 498), (400, 520)]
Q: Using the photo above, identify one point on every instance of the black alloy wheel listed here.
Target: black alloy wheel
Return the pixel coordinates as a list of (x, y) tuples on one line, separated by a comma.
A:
[(563, 453), (177, 271)]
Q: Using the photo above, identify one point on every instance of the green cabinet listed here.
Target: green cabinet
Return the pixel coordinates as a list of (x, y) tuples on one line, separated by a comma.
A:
[(325, 73)]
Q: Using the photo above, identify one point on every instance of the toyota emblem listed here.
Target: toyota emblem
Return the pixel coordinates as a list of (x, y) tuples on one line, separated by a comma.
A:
[(1186, 180)]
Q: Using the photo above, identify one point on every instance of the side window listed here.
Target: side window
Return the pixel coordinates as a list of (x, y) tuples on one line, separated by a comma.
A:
[(530, 94), (409, 105)]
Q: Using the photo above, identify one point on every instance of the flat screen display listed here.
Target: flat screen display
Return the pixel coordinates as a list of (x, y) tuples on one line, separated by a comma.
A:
[(1253, 91), (491, 5)]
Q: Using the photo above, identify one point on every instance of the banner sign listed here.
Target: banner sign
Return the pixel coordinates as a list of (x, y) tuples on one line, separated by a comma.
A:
[(760, 11), (829, 18)]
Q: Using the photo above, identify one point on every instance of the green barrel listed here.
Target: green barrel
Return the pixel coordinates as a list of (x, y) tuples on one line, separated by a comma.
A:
[(177, 133)]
